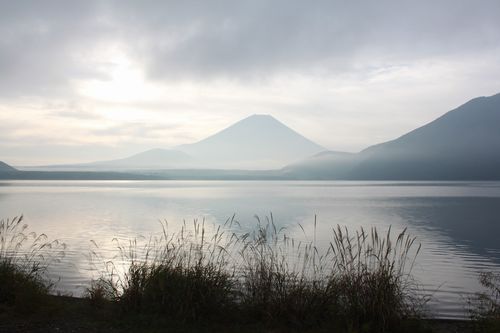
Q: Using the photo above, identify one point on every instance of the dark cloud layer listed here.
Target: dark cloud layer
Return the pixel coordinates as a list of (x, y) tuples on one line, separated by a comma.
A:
[(44, 44), (262, 37)]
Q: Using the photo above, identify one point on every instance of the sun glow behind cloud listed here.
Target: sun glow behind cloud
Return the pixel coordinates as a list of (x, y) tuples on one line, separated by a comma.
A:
[(125, 82)]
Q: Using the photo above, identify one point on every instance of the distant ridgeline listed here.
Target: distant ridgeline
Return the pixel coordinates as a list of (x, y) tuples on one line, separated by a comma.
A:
[(4, 167), (463, 144), (10, 173)]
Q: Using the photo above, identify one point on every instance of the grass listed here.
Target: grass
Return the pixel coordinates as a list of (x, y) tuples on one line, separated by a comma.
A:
[(275, 282), (221, 278), (485, 306), (360, 283), (207, 277), (24, 259), (184, 276), (371, 278)]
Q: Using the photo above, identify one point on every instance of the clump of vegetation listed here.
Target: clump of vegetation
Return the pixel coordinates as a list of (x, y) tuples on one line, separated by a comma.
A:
[(280, 280), (24, 259), (486, 305), (360, 282), (371, 279), (182, 275)]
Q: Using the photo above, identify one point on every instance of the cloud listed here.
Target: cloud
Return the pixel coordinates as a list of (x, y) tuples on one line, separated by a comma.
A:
[(259, 38), (135, 129), (42, 45), (70, 110), (45, 45), (344, 73), (75, 114)]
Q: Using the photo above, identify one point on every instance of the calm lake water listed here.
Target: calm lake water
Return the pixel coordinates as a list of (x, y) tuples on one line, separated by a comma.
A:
[(457, 223)]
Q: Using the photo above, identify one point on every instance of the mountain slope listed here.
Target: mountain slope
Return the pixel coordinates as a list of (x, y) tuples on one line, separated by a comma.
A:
[(151, 159), (324, 165), (462, 144), (4, 167), (256, 142)]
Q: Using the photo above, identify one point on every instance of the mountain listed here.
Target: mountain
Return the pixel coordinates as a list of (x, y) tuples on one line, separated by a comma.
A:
[(4, 167), (463, 144), (259, 142), (256, 142), (151, 159), (324, 165)]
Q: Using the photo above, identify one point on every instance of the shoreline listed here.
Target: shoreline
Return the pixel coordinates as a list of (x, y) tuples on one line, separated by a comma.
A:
[(76, 314)]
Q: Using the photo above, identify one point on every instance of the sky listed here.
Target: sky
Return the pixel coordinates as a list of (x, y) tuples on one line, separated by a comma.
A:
[(91, 80)]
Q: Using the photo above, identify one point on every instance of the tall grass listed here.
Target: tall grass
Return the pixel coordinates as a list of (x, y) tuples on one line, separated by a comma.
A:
[(24, 260), (371, 278), (485, 306), (184, 275), (280, 279), (361, 281)]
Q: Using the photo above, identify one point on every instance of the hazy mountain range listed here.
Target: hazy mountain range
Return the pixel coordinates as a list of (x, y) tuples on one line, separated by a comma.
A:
[(462, 144), (259, 142), (153, 159), (6, 168)]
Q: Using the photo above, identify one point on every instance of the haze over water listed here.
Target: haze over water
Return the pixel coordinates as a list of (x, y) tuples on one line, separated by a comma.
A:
[(456, 222)]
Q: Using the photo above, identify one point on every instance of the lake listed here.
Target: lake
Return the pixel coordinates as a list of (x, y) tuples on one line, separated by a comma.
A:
[(457, 223)]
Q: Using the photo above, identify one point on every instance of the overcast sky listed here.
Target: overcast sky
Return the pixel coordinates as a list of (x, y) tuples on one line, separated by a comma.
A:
[(91, 80)]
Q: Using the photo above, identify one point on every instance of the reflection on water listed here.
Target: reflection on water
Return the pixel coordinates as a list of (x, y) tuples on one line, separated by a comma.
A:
[(457, 222)]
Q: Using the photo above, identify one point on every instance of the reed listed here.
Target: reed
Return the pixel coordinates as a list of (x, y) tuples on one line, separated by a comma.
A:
[(280, 278), (182, 275), (485, 306), (24, 260), (371, 279), (361, 282)]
